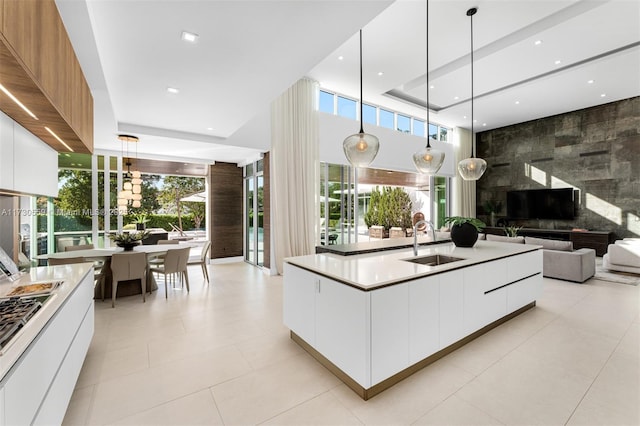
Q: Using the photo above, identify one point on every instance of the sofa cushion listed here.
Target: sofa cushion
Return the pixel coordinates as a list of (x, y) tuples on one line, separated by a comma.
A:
[(550, 244), (505, 239), (624, 254)]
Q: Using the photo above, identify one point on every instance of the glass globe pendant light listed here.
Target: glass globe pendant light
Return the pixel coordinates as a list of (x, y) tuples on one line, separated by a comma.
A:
[(428, 160), (361, 148), (472, 168)]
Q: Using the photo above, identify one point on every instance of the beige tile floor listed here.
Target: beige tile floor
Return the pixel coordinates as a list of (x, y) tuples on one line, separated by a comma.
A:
[(220, 355)]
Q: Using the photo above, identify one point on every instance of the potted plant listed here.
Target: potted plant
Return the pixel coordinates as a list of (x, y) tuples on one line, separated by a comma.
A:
[(128, 240), (141, 221), (512, 231), (491, 207), (464, 230)]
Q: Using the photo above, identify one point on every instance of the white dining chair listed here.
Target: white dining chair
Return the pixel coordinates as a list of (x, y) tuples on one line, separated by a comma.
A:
[(175, 263), (202, 259)]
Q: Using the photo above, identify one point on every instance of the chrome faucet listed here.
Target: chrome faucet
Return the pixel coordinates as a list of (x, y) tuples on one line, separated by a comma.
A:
[(415, 234)]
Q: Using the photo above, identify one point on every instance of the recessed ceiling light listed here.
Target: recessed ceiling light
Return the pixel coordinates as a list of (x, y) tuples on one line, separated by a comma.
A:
[(190, 37), (340, 58), (455, 98), (591, 81), (209, 128), (432, 87), (173, 90), (380, 73), (517, 102), (602, 95), (484, 124), (464, 116), (557, 62), (537, 42)]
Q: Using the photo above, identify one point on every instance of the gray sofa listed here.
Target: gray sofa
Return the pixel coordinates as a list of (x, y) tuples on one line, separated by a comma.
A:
[(560, 260)]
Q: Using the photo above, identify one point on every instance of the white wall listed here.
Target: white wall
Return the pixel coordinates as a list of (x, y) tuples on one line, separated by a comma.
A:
[(396, 148)]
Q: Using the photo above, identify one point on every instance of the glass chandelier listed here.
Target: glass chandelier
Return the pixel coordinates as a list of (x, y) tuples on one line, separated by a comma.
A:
[(361, 148), (428, 160), (472, 168)]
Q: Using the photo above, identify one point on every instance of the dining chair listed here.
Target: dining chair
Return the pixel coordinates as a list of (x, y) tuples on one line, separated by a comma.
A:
[(98, 275), (175, 263), (98, 265), (202, 259), (159, 260), (128, 266)]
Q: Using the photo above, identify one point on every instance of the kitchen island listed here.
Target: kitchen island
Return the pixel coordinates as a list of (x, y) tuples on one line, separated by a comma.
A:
[(374, 319), (40, 364)]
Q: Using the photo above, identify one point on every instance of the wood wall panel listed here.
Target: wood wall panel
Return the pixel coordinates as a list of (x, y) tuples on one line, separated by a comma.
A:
[(226, 195), (267, 210)]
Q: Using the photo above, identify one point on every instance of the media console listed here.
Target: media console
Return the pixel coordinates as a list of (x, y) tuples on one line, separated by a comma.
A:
[(597, 240)]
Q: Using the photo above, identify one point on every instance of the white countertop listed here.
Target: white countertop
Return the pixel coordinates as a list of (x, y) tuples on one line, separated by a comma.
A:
[(373, 270), (71, 275)]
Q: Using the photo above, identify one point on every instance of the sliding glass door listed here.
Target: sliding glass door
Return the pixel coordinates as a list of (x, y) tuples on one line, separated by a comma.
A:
[(254, 213)]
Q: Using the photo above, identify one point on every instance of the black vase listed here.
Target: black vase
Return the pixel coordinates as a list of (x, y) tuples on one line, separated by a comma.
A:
[(140, 226), (128, 246), (464, 235)]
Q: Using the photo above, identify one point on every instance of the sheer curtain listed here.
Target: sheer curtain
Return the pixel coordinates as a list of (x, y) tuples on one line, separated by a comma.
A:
[(463, 191), (295, 165)]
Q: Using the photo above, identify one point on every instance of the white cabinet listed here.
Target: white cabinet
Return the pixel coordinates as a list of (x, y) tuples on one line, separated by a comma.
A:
[(38, 387), (484, 299), (27, 164), (6, 152), (389, 331), (342, 327), (299, 302), (524, 265), (523, 292), (451, 300), (424, 318)]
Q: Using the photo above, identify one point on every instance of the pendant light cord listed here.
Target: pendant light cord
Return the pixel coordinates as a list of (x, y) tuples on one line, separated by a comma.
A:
[(472, 12), (427, 51), (361, 99)]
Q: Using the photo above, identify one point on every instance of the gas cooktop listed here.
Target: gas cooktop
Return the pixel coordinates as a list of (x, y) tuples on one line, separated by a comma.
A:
[(14, 314)]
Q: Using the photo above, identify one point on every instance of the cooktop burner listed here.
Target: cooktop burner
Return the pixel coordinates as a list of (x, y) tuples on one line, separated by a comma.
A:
[(14, 314)]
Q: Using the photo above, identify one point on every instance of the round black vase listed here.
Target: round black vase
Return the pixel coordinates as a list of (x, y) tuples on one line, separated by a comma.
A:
[(464, 235), (140, 226), (128, 246)]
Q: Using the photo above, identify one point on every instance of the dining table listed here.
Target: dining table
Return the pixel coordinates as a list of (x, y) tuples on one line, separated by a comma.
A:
[(126, 288)]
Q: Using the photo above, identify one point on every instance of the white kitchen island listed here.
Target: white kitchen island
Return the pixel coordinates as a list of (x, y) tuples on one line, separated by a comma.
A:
[(376, 318), (40, 365)]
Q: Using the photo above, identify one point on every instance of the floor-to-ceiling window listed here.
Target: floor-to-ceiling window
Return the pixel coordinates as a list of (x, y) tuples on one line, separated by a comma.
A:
[(254, 213)]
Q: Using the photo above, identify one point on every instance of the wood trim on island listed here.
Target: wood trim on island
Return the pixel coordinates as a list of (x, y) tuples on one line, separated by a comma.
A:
[(398, 377)]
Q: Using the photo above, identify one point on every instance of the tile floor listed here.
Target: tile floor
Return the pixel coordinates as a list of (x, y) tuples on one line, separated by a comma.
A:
[(220, 355)]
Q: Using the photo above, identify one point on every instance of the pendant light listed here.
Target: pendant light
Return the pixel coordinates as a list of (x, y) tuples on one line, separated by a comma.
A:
[(472, 168), (131, 193), (361, 148), (428, 160)]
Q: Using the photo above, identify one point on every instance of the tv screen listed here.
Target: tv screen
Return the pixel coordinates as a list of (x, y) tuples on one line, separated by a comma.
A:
[(541, 204)]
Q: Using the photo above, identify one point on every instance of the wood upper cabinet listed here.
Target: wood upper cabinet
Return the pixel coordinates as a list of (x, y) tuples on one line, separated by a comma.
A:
[(38, 38)]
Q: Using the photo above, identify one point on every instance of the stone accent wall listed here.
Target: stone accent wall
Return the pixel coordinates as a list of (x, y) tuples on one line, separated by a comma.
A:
[(595, 150)]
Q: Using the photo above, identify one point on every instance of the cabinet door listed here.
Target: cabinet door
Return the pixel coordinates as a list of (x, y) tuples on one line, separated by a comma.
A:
[(451, 307), (424, 318), (484, 300), (342, 330), (524, 265), (389, 331), (523, 292), (299, 304), (35, 164), (6, 152)]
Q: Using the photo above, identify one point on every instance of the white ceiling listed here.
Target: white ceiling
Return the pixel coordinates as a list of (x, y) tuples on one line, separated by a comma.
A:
[(249, 52)]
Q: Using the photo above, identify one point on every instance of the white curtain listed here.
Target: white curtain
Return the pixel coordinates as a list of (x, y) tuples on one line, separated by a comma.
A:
[(295, 173), (463, 191)]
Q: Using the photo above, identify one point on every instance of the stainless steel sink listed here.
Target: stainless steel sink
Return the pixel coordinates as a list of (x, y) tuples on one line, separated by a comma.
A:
[(433, 260)]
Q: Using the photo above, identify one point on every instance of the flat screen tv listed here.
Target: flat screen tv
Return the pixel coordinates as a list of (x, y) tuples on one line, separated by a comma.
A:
[(558, 204)]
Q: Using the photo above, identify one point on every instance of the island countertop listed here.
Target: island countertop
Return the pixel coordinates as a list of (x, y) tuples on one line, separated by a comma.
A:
[(380, 269), (70, 275)]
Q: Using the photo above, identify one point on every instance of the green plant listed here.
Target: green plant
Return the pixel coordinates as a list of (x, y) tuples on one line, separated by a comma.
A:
[(492, 206), (140, 218), (128, 237), (460, 220), (512, 231), (388, 208)]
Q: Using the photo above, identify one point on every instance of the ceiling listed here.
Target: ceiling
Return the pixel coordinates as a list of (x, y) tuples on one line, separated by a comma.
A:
[(249, 52)]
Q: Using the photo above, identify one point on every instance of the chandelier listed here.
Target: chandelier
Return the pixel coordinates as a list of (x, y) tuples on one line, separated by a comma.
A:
[(131, 193)]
